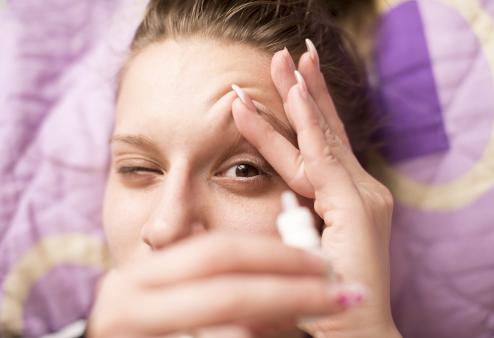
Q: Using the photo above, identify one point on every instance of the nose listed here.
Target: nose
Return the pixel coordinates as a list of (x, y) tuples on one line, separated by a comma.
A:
[(175, 214)]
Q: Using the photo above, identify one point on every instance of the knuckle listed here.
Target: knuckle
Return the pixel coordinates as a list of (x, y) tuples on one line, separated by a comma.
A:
[(230, 301), (322, 121), (380, 196), (328, 154), (334, 216), (386, 197), (332, 138), (299, 175)]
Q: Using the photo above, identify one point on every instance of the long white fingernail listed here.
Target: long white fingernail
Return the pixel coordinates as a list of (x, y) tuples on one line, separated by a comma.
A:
[(242, 95), (301, 83), (289, 59), (314, 55)]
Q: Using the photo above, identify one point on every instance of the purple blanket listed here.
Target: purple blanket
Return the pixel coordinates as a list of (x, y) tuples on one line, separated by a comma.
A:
[(435, 64), (435, 70), (58, 66)]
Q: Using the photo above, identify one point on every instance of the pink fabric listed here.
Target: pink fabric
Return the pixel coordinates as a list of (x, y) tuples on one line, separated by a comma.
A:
[(58, 63)]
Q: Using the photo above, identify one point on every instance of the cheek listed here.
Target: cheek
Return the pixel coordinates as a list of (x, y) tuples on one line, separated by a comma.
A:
[(251, 215), (124, 212)]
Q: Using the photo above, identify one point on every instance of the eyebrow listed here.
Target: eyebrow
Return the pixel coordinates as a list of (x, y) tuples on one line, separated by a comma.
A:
[(138, 141), (278, 124), (147, 144)]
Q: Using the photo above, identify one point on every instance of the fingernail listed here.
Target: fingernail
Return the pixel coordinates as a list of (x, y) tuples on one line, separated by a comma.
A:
[(348, 295), (301, 83), (289, 59), (311, 48), (242, 95)]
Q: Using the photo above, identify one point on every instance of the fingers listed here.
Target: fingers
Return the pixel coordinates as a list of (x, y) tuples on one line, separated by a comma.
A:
[(333, 130), (282, 72), (335, 175), (279, 152), (329, 121), (218, 331), (217, 253), (224, 331), (324, 170), (226, 299), (309, 67), (282, 68), (275, 148)]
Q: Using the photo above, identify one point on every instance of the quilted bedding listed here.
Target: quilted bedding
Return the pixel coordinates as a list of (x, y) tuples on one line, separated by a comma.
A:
[(58, 66), (434, 71), (435, 64)]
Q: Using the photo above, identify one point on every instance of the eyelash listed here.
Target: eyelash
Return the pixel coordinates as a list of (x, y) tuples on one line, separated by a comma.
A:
[(130, 170), (140, 170), (262, 173)]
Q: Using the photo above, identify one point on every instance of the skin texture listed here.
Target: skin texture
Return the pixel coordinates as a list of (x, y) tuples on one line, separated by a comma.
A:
[(192, 129), (193, 237)]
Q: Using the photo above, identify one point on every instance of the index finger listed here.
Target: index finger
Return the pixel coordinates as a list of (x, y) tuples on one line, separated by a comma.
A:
[(283, 156), (219, 253)]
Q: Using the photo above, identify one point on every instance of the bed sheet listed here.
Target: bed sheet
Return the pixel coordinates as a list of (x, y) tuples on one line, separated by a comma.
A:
[(434, 71), (58, 66)]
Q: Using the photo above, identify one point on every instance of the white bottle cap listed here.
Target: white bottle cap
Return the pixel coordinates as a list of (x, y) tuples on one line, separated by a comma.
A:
[(296, 224)]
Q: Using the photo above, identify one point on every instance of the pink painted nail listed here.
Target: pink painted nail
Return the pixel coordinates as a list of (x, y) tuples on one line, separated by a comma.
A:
[(289, 59), (242, 95), (349, 295), (314, 55), (343, 300), (301, 83)]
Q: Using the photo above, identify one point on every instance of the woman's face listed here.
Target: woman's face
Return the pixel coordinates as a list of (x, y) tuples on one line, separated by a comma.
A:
[(179, 165)]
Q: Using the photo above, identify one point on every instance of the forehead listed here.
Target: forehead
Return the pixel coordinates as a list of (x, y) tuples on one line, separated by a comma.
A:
[(195, 73)]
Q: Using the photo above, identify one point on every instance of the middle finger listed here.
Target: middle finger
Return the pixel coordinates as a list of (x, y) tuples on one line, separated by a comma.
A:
[(282, 74)]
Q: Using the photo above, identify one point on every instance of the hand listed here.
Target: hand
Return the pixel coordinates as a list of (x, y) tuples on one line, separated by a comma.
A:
[(356, 208), (215, 284)]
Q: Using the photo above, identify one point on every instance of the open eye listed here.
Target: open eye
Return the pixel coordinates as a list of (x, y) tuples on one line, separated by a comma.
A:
[(245, 170)]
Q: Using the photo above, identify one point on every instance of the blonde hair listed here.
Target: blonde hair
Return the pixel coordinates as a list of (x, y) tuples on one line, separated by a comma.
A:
[(271, 25)]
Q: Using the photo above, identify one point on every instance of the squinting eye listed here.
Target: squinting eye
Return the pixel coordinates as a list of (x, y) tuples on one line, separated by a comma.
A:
[(243, 170), (138, 170)]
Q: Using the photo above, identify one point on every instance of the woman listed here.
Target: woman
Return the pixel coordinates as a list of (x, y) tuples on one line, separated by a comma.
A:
[(198, 168)]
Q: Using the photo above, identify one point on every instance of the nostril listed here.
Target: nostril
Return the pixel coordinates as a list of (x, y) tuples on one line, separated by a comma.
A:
[(154, 233), (158, 233), (144, 234)]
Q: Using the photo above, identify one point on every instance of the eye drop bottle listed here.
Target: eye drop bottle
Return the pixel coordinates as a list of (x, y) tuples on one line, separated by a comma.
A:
[(297, 229)]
